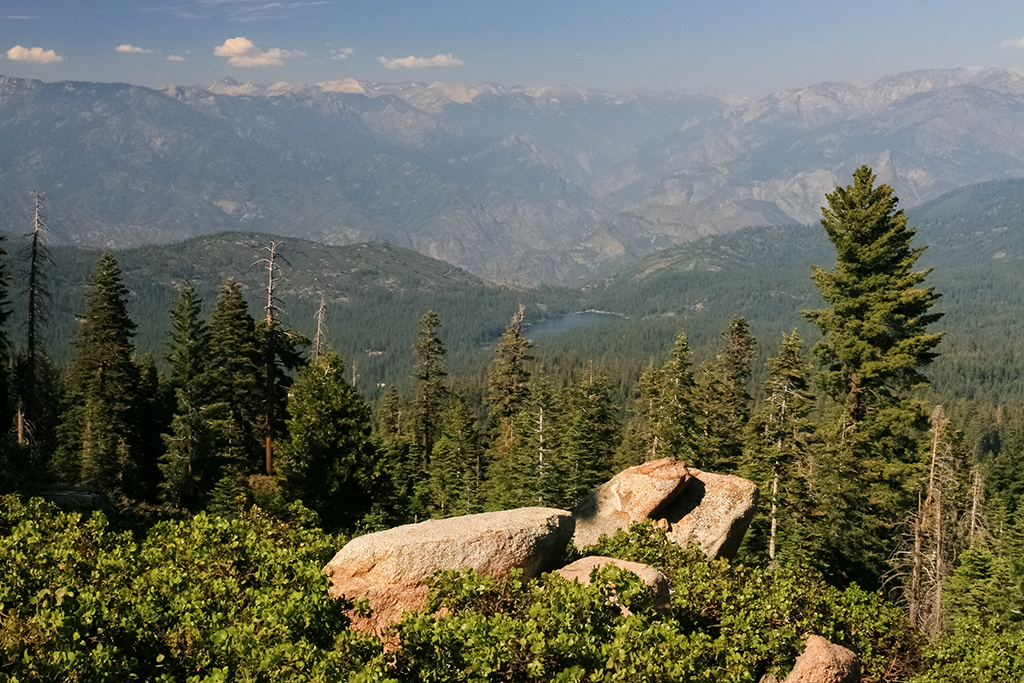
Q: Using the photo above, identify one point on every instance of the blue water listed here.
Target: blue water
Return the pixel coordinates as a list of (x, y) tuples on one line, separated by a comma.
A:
[(569, 321)]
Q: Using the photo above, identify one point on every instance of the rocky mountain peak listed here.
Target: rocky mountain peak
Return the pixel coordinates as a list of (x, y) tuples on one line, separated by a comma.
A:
[(525, 183)]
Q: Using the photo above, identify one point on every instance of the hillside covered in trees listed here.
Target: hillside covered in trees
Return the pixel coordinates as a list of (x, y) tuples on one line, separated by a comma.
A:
[(890, 516)]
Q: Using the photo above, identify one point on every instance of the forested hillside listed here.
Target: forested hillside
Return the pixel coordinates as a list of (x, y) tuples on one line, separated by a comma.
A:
[(797, 357), (974, 236)]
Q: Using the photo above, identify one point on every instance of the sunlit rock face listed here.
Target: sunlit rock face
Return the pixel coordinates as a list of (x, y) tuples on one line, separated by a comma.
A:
[(710, 510), (389, 567)]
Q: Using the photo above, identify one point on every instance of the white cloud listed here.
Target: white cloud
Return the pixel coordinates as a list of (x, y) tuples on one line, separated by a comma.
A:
[(33, 54), (242, 52), (343, 53), (1019, 42), (420, 62), (175, 58), (131, 48)]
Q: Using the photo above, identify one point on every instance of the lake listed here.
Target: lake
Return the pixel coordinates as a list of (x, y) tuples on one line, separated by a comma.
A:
[(569, 321)]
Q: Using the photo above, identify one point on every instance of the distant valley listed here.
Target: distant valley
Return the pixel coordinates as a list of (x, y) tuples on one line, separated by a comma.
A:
[(516, 185)]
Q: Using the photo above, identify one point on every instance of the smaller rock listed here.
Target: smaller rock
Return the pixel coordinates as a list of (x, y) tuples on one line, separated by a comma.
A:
[(824, 662), (714, 511), (633, 495), (580, 570)]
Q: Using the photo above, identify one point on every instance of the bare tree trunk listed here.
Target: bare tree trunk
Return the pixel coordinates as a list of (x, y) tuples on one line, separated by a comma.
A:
[(939, 568), (37, 297), (270, 355), (977, 491), (319, 339), (540, 454), (775, 521), (914, 592)]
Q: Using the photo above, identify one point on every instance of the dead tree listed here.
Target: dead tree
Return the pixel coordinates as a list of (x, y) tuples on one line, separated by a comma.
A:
[(320, 339), (270, 350), (936, 527), (37, 255)]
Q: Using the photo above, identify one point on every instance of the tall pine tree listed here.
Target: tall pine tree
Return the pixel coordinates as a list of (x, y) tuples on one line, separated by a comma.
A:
[(779, 458), (189, 444), (234, 387), (876, 342), (34, 420), (98, 433), (431, 391), (875, 347), (508, 383)]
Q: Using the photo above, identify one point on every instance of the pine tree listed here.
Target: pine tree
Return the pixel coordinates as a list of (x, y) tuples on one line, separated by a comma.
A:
[(397, 463), (588, 434), (680, 414), (235, 389), (664, 418), (722, 399), (981, 591), (508, 382), (875, 347), (456, 467), (153, 410), (189, 444), (329, 460), (779, 458), (431, 391), (876, 339), (645, 436), (281, 350), (98, 431), (526, 476)]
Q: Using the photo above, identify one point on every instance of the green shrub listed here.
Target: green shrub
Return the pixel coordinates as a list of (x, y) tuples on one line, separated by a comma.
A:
[(758, 617), (977, 653), (244, 599), (199, 600)]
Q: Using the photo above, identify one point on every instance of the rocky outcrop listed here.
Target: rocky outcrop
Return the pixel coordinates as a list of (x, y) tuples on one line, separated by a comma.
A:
[(389, 567), (711, 510), (635, 494), (714, 511), (824, 662), (580, 570)]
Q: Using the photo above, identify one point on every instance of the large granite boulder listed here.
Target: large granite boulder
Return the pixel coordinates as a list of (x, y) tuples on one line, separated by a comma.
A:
[(388, 567), (824, 662), (635, 494), (711, 510), (580, 570), (714, 511)]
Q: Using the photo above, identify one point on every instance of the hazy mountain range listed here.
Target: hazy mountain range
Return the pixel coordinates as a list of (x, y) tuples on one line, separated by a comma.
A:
[(515, 184)]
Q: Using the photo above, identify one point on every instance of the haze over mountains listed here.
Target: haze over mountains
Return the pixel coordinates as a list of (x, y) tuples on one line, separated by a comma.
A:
[(515, 184)]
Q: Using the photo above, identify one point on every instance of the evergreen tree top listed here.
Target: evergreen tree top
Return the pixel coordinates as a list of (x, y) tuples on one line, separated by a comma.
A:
[(875, 327), (106, 299)]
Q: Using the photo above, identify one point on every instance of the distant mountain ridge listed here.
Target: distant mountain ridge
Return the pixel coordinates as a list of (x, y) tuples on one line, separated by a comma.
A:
[(522, 185)]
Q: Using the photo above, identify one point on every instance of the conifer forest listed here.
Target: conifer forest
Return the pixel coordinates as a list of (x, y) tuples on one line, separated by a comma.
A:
[(173, 489)]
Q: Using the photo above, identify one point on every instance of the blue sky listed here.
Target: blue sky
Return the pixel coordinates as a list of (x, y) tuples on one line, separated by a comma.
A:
[(750, 48)]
